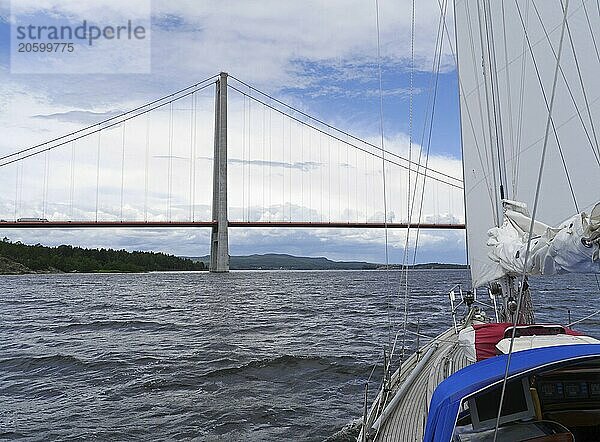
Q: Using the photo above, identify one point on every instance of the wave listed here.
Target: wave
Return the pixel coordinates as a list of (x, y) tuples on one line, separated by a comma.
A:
[(129, 324), (291, 365), (348, 433), (59, 362), (25, 363)]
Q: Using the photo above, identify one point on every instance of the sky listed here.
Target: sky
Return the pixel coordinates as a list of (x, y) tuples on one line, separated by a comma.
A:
[(320, 57)]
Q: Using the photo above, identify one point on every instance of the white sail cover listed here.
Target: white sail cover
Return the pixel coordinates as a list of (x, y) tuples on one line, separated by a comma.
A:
[(516, 44)]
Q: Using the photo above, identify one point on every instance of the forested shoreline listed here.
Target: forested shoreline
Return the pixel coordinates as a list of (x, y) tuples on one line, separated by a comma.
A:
[(18, 258)]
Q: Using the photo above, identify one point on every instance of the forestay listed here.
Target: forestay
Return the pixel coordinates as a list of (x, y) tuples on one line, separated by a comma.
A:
[(507, 56)]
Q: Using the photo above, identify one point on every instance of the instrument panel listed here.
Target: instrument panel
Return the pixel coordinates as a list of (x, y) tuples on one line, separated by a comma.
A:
[(569, 387)]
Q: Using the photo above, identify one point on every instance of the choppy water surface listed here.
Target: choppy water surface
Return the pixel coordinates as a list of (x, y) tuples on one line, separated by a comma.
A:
[(242, 356)]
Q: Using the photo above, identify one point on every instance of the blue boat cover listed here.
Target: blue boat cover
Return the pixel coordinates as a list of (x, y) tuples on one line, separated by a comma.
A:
[(446, 400)]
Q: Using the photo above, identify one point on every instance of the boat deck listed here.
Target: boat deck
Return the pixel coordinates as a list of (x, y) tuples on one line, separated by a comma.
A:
[(406, 420)]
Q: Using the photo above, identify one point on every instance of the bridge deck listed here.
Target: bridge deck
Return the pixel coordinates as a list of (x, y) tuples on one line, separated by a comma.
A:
[(183, 224)]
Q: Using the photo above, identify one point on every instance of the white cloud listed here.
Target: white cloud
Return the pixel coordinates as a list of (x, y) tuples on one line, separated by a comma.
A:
[(272, 44)]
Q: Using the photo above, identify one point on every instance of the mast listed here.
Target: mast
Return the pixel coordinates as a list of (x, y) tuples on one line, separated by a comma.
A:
[(505, 287)]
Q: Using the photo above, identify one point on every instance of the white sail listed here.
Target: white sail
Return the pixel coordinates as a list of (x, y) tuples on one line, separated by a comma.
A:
[(507, 57)]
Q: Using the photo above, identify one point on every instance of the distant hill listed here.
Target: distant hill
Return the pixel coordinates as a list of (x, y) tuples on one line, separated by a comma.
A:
[(280, 261)]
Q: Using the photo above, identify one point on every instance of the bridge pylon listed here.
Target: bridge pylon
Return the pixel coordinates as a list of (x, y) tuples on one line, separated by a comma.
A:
[(219, 242)]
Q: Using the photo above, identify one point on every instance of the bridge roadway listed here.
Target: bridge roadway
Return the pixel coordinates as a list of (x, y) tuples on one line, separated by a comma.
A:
[(186, 224)]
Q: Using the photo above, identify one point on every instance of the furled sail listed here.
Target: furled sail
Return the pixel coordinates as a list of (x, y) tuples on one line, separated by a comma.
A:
[(574, 246), (508, 54)]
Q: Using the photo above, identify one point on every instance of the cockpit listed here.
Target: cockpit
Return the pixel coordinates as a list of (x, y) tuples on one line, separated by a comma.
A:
[(554, 404)]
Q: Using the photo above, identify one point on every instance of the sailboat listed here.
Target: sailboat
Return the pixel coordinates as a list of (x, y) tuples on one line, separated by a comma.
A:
[(529, 79)]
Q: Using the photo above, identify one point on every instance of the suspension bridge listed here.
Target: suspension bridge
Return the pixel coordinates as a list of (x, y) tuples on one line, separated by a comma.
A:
[(198, 158)]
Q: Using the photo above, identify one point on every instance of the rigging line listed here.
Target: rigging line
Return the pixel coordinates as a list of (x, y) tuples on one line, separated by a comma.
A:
[(467, 108), (584, 319), (385, 220), (585, 97), (6, 163), (554, 131), (108, 119), (517, 160), (486, 75), (404, 268), (484, 165), (534, 44), (329, 126), (495, 97), (411, 198), (571, 92), (408, 180), (587, 18), (533, 214), (508, 89), (433, 107), (372, 154), (438, 54)]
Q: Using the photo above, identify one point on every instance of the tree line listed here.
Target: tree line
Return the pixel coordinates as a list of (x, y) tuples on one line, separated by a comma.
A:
[(76, 259)]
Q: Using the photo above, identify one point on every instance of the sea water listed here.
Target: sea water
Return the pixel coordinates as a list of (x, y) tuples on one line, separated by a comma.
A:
[(265, 355)]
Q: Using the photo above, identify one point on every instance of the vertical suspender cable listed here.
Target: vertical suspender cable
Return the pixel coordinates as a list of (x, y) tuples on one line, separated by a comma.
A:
[(45, 195), (290, 157), (191, 174), (264, 135), (248, 168), (244, 99), (72, 183), (282, 167), (98, 174), (170, 159), (348, 179), (329, 174), (533, 214), (146, 160), (18, 168), (194, 156), (122, 169), (270, 183), (321, 185), (302, 170)]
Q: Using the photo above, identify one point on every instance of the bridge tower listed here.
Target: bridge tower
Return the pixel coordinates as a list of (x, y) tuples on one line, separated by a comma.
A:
[(219, 242)]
